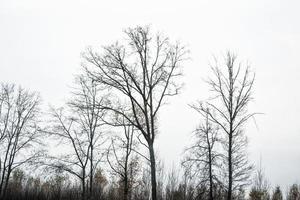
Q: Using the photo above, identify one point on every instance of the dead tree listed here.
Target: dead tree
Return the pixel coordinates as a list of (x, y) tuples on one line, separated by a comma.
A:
[(142, 74), (19, 132), (231, 87), (123, 160), (203, 157), (79, 126)]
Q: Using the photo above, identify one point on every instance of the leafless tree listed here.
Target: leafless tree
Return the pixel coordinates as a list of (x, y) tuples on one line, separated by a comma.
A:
[(19, 131), (67, 130), (79, 126), (123, 160), (231, 87), (86, 103), (203, 156), (142, 73)]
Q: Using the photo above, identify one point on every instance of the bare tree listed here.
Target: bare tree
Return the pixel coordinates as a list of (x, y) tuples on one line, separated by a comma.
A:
[(123, 161), (86, 103), (203, 156), (67, 130), (79, 126), (19, 132), (231, 87), (142, 73)]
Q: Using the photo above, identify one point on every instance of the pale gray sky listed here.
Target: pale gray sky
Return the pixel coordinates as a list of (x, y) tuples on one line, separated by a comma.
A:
[(41, 42)]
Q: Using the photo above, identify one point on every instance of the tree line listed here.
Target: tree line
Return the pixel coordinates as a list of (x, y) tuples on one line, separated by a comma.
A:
[(104, 135)]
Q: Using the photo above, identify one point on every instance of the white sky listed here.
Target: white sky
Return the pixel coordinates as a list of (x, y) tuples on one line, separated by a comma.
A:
[(41, 42)]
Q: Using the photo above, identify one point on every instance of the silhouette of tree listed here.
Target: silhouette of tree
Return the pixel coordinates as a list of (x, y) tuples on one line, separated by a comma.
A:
[(19, 131), (231, 87), (78, 125), (143, 73), (123, 160), (203, 156)]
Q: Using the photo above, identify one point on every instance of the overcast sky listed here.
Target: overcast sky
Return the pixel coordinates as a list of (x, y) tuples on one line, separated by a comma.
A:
[(41, 42)]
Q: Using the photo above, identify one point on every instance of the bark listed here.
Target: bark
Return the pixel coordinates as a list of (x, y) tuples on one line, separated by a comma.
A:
[(83, 193), (153, 172), (91, 173), (210, 176), (229, 194), (126, 186)]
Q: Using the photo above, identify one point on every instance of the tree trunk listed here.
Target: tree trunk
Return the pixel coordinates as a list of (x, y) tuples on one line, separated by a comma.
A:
[(126, 185), (1, 190), (125, 188), (83, 187), (6, 182), (210, 176), (91, 173), (229, 195), (153, 171)]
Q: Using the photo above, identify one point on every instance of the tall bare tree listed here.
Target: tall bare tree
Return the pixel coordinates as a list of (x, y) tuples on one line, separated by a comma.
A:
[(79, 125), (203, 156), (86, 103), (231, 86), (19, 131), (142, 73)]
